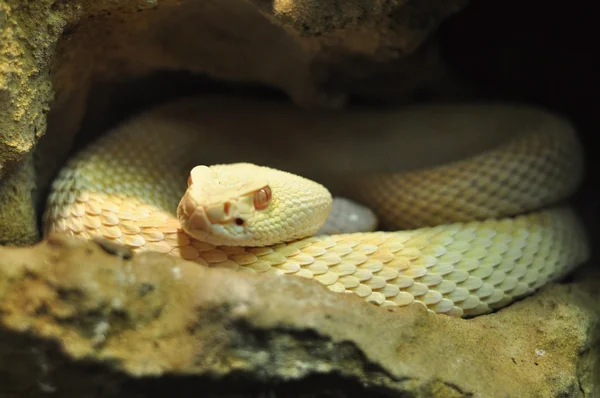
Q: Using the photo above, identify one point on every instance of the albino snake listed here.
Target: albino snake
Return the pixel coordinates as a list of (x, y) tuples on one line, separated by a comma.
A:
[(477, 186)]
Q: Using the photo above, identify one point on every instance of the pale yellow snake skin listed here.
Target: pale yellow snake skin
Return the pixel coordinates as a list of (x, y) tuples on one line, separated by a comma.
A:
[(480, 241)]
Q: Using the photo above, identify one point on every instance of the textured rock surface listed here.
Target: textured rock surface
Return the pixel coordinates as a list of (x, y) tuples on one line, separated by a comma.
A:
[(131, 318), (51, 52), (17, 218)]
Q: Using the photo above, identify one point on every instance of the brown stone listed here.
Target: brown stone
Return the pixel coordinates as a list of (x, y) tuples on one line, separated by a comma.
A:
[(156, 315)]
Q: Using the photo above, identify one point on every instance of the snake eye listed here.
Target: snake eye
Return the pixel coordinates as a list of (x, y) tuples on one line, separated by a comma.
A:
[(262, 198)]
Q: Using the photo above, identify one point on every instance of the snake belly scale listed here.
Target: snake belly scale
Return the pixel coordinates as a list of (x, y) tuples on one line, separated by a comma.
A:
[(485, 229)]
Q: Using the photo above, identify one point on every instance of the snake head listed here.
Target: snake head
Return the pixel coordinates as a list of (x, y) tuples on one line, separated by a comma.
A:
[(243, 204)]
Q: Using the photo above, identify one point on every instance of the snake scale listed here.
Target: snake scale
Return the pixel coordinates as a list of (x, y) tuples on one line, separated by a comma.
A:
[(469, 196)]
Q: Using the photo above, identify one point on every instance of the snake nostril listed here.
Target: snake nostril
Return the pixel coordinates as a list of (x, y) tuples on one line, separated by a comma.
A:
[(239, 221)]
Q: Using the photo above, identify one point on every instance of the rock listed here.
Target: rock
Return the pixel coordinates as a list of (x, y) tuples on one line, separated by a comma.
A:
[(18, 224), (79, 315)]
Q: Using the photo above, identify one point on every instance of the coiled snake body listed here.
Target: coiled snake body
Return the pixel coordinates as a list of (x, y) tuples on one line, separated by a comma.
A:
[(473, 190)]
